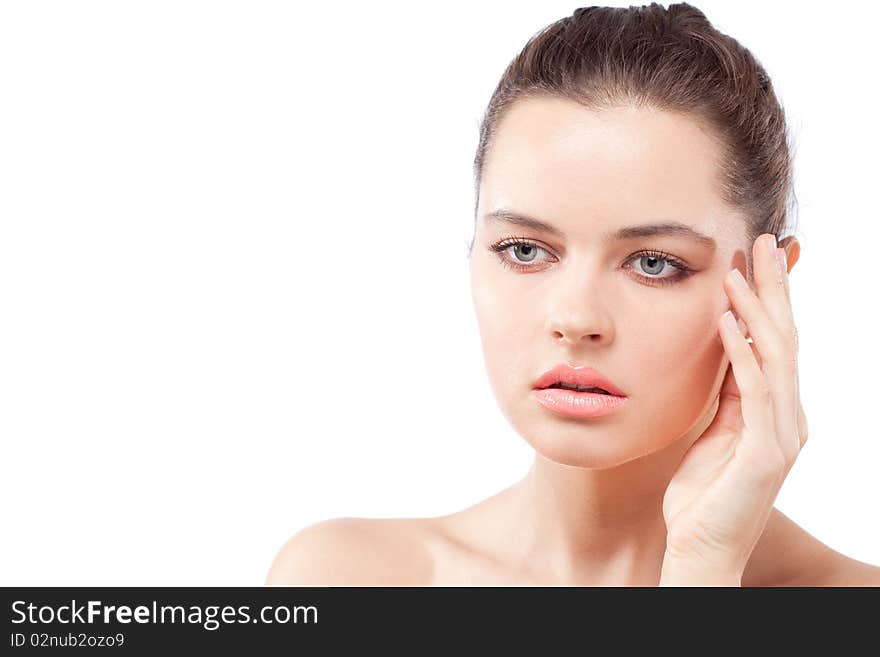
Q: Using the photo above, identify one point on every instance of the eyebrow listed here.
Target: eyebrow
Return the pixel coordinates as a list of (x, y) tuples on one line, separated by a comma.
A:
[(675, 228)]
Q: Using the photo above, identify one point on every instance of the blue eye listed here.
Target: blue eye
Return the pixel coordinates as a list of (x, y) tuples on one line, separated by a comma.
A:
[(651, 262), (657, 260), (527, 250), (655, 265)]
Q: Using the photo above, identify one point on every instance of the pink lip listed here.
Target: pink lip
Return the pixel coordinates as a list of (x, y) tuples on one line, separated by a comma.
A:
[(582, 376), (571, 403)]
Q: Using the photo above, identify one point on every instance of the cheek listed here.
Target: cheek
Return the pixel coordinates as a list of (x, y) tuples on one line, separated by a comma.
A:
[(681, 341), (682, 358), (502, 331), (488, 304)]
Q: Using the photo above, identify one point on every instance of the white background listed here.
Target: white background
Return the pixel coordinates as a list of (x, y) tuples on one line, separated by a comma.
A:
[(233, 277)]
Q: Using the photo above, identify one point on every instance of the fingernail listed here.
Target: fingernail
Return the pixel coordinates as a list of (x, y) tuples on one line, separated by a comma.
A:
[(771, 244), (782, 261), (738, 279), (730, 322)]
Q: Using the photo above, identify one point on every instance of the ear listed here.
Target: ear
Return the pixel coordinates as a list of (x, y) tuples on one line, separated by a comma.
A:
[(792, 250)]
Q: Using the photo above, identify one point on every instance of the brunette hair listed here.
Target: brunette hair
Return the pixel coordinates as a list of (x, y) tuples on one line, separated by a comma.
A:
[(669, 59)]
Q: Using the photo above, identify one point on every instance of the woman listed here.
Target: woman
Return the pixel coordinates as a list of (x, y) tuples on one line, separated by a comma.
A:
[(632, 182)]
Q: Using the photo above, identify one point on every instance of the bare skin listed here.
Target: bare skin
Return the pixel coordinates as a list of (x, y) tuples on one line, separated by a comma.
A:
[(446, 551), (589, 511)]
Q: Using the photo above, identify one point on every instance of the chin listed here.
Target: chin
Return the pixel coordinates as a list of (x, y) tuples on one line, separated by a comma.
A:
[(588, 456), (592, 444)]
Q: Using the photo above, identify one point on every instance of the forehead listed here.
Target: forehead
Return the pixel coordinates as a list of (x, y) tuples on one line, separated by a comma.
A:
[(553, 157)]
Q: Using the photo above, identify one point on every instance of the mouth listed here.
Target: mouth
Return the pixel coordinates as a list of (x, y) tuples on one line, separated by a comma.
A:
[(576, 388), (580, 380), (578, 392)]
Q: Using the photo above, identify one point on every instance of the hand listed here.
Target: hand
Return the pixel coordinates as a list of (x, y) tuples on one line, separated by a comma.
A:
[(719, 499)]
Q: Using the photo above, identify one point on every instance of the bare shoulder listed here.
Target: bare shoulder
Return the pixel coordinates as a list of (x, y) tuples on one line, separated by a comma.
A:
[(788, 555), (841, 570), (355, 552)]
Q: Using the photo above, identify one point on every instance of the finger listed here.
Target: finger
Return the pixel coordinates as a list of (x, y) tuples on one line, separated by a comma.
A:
[(745, 331), (802, 429), (790, 326), (771, 274), (754, 391), (771, 282), (777, 355)]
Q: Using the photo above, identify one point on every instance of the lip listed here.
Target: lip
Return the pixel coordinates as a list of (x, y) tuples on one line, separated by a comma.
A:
[(582, 376), (570, 403)]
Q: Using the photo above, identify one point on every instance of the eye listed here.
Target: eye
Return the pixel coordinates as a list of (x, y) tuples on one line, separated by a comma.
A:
[(524, 253), (520, 253), (655, 262)]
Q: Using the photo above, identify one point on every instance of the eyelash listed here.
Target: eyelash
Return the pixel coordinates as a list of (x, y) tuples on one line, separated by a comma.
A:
[(501, 247)]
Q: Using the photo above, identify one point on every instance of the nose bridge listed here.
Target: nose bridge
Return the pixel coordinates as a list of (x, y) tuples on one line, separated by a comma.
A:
[(577, 298)]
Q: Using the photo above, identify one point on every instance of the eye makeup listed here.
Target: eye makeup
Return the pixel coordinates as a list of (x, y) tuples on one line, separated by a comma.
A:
[(502, 247)]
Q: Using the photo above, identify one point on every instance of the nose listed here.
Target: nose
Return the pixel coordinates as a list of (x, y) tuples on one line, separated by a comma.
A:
[(576, 315)]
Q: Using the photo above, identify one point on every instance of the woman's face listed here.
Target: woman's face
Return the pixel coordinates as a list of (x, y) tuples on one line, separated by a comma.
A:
[(583, 296)]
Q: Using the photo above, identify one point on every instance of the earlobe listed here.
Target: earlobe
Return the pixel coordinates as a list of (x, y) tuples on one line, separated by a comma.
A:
[(792, 250)]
